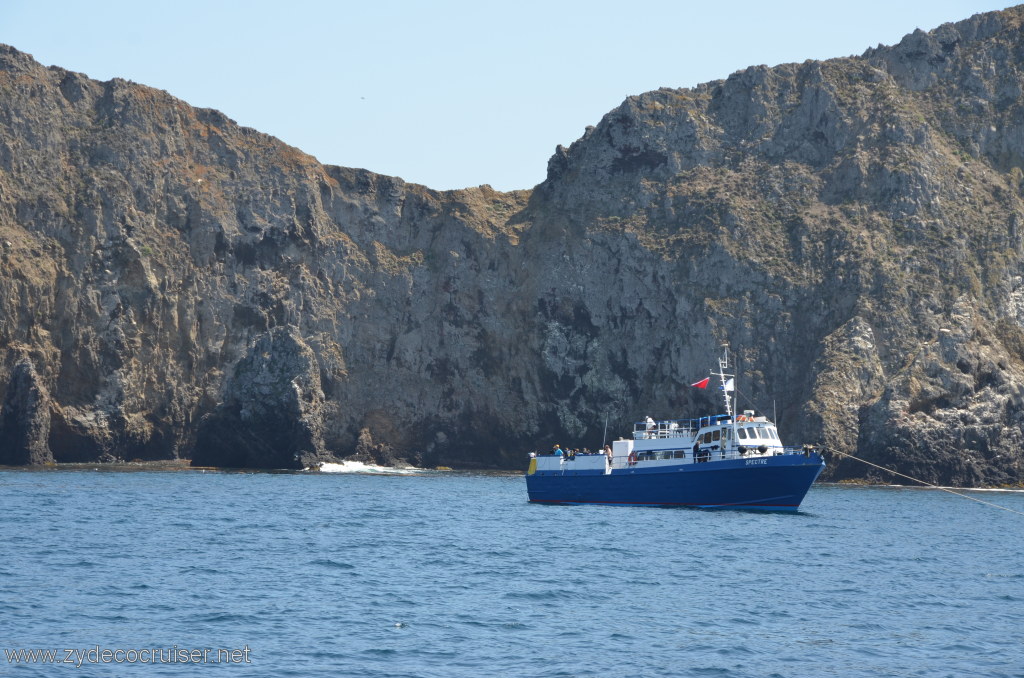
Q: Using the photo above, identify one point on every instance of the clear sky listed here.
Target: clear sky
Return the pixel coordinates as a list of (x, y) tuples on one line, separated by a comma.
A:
[(447, 93)]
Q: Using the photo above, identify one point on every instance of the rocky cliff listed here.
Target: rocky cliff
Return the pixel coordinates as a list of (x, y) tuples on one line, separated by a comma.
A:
[(174, 285)]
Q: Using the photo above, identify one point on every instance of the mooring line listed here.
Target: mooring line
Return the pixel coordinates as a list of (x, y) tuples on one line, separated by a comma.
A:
[(923, 482)]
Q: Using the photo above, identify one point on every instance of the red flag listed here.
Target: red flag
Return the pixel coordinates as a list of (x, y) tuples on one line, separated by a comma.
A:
[(703, 383)]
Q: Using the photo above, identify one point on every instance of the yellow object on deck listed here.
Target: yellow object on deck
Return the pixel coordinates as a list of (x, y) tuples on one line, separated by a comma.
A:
[(533, 466)]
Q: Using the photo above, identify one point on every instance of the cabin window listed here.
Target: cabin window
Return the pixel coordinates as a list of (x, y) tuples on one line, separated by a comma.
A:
[(741, 433), (707, 437), (773, 433), (751, 432), (762, 433), (680, 454), (716, 434)]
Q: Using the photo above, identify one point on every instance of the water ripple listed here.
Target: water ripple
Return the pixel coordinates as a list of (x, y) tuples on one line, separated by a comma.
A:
[(456, 575)]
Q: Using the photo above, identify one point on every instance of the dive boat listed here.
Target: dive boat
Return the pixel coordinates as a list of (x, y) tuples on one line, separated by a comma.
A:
[(718, 461)]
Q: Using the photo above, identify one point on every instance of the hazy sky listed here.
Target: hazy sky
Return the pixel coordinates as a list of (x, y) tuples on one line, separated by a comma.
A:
[(447, 93)]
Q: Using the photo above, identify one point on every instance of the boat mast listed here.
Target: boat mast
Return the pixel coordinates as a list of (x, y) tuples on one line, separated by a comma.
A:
[(723, 365)]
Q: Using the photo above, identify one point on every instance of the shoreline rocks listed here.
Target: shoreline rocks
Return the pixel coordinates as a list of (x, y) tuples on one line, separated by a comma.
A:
[(25, 419), (271, 415)]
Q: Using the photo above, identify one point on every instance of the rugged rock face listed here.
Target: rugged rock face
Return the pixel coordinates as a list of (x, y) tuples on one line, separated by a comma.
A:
[(25, 419), (272, 411), (186, 287)]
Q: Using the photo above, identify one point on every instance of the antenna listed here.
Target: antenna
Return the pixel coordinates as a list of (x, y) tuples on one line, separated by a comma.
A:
[(727, 386)]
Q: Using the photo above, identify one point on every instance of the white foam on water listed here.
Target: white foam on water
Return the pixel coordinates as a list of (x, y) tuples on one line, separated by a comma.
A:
[(360, 467)]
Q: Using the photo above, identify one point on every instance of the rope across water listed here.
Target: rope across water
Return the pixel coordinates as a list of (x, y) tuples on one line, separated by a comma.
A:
[(937, 487)]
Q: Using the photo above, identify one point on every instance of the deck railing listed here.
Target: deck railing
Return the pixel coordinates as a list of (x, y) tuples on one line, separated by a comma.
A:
[(686, 456), (702, 456), (676, 428)]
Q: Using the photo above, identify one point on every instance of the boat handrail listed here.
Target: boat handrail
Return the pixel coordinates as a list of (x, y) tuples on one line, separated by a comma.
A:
[(667, 428), (686, 456)]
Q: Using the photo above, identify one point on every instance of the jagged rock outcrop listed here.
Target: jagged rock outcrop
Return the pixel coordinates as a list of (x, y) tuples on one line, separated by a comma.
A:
[(852, 227), (271, 414), (848, 375), (25, 419), (370, 452)]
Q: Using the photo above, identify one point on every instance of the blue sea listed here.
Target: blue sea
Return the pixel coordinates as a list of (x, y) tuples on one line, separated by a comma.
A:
[(447, 574)]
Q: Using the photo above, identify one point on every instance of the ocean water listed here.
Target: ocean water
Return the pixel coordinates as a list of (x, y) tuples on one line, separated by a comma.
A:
[(455, 574)]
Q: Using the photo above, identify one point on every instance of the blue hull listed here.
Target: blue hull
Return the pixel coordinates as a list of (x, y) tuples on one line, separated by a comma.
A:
[(772, 483)]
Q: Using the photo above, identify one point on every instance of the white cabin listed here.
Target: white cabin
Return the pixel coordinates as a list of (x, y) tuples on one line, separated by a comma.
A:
[(679, 441)]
